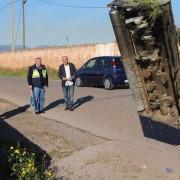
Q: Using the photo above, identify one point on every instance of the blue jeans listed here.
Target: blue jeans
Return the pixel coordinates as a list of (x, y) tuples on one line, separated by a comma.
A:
[(39, 98), (68, 92), (32, 101)]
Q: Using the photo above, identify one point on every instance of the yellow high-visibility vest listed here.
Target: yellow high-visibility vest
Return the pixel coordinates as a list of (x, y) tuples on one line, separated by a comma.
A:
[(44, 72), (36, 74)]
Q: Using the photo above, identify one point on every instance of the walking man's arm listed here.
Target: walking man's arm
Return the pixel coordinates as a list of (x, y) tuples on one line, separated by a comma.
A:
[(47, 79), (60, 73), (74, 71)]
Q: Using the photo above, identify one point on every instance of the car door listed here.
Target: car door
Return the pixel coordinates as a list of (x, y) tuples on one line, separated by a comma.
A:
[(89, 72), (99, 71), (120, 72)]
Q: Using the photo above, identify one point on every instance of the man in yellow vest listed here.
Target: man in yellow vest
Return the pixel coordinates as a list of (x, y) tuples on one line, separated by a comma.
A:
[(37, 80)]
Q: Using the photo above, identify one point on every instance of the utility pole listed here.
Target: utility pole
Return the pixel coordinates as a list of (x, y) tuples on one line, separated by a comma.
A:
[(24, 29), (67, 40), (12, 24)]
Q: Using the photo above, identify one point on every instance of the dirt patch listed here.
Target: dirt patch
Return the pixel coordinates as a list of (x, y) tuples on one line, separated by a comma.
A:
[(5, 105), (56, 138)]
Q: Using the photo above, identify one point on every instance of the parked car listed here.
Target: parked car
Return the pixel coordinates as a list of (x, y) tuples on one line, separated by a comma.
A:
[(106, 71)]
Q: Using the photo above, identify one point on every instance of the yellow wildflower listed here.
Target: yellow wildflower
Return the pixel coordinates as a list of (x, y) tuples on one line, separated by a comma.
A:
[(24, 172), (17, 151), (49, 173), (24, 153), (35, 169)]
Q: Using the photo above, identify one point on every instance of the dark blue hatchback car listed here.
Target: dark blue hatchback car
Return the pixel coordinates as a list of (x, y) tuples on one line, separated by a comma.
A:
[(106, 71)]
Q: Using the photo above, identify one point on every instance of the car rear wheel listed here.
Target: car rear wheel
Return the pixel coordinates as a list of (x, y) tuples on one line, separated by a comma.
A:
[(126, 86), (79, 82), (108, 85)]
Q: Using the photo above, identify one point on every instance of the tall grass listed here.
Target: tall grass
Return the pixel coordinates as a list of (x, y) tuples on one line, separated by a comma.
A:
[(51, 57)]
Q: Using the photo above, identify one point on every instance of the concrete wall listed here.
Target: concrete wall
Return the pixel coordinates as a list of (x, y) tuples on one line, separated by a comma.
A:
[(52, 56)]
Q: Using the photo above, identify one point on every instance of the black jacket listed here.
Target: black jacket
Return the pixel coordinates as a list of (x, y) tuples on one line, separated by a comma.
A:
[(62, 73), (37, 77)]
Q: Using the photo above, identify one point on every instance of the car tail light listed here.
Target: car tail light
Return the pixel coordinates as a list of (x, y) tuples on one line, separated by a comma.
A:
[(113, 63), (114, 68)]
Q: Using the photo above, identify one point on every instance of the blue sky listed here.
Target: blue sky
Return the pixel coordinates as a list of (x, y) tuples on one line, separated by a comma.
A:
[(50, 25)]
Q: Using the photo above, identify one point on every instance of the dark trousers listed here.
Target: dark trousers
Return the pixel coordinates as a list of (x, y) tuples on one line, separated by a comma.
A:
[(68, 92)]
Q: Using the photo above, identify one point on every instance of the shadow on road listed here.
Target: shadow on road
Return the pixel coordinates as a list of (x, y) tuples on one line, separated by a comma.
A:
[(14, 112), (160, 132), (82, 101), (9, 136), (54, 104)]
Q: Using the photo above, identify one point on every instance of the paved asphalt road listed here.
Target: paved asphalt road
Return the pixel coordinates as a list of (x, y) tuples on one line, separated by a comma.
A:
[(109, 114)]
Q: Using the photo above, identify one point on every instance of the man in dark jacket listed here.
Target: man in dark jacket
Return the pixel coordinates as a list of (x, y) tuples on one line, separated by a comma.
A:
[(67, 75), (37, 80)]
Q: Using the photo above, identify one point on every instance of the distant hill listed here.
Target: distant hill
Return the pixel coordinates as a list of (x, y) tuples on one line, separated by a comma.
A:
[(7, 47)]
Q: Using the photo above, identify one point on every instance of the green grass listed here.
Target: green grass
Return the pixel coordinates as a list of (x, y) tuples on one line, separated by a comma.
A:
[(53, 74)]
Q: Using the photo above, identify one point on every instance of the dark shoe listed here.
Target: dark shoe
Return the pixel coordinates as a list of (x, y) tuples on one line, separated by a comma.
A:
[(43, 111), (37, 113), (71, 109), (66, 109)]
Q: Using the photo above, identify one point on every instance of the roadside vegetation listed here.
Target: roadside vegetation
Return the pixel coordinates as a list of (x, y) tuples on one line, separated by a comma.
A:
[(153, 7), (22, 164), (53, 73)]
